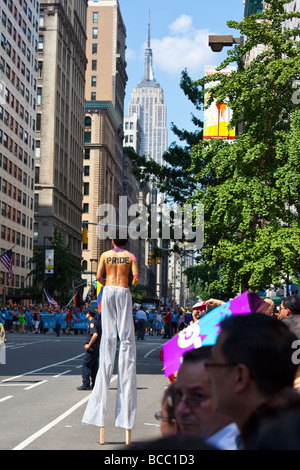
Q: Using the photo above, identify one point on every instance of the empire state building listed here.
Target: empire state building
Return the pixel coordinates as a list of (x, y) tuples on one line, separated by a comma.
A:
[(147, 102)]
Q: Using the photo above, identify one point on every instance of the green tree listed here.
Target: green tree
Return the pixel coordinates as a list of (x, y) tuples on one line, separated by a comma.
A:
[(66, 269), (249, 188), (253, 203)]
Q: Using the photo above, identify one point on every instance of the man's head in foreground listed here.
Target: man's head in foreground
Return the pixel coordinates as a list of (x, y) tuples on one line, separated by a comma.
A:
[(251, 362), (193, 399)]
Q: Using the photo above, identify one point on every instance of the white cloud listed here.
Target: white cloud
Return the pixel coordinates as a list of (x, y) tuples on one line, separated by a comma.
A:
[(130, 54), (185, 47)]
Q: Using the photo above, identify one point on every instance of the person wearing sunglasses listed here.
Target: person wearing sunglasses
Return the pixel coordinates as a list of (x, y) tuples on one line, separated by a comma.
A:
[(194, 407), (251, 364), (168, 423)]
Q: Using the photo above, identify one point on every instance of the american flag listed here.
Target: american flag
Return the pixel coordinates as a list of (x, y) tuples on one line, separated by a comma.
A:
[(7, 260), (51, 301)]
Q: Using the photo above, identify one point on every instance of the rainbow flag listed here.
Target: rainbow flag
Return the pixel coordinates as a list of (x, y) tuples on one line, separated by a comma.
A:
[(73, 301), (100, 288), (10, 302), (76, 313)]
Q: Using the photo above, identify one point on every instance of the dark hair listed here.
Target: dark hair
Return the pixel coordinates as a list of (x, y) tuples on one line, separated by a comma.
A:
[(120, 240), (200, 354), (292, 303), (264, 345)]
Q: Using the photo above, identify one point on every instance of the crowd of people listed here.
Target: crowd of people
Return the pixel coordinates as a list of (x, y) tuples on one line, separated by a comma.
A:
[(242, 393), (21, 319), (164, 322)]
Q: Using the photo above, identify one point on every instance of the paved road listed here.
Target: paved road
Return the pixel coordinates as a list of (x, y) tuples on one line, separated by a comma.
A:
[(41, 409)]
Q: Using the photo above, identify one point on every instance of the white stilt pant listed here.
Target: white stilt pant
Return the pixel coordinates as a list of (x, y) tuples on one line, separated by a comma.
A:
[(117, 321)]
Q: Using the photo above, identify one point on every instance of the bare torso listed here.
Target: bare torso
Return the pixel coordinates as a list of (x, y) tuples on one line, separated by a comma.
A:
[(117, 265)]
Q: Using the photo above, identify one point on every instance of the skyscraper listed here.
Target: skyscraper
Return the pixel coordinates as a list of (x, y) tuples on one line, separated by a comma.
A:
[(106, 80), (60, 122), (18, 88), (147, 101)]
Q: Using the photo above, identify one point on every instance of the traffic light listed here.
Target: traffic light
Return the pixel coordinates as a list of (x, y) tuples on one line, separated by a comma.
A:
[(84, 233), (150, 258), (158, 260)]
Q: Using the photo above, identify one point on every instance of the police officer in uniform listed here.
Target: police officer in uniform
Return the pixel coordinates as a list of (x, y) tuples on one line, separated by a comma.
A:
[(91, 358)]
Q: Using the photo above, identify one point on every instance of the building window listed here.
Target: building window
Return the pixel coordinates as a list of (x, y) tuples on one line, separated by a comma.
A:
[(86, 189), (95, 33), (87, 121), (94, 65), (86, 171), (85, 208), (95, 17), (94, 81), (94, 48), (93, 96), (41, 43)]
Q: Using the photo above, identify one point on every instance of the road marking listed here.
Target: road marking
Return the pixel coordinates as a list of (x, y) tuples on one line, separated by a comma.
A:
[(35, 385), (17, 384), (53, 423), (46, 428), (42, 368), (150, 352), (6, 398), (62, 373)]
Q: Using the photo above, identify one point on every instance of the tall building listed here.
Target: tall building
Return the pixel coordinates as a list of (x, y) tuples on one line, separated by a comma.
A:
[(106, 80), (147, 102), (253, 6), (137, 193), (60, 122), (18, 90)]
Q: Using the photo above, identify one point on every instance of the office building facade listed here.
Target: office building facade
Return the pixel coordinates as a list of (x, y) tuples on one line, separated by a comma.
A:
[(106, 80), (60, 122), (18, 102)]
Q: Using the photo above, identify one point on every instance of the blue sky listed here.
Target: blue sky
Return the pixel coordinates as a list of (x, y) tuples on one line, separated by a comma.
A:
[(179, 39)]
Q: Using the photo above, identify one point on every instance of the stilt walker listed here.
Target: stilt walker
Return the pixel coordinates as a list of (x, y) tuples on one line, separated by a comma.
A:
[(116, 321)]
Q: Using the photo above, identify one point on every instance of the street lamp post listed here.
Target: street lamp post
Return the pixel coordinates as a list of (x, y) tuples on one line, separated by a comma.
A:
[(216, 43), (44, 274), (91, 260)]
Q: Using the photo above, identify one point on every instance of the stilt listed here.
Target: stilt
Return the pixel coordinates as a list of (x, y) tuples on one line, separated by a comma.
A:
[(128, 437), (102, 435)]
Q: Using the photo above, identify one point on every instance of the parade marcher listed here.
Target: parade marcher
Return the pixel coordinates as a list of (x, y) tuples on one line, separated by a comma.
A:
[(151, 321), (22, 321), (141, 319), (69, 318), (58, 319), (116, 321), (174, 324), (158, 323), (91, 358), (168, 326)]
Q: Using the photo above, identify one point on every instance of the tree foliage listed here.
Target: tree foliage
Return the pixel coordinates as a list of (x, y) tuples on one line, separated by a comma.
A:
[(249, 188), (66, 269)]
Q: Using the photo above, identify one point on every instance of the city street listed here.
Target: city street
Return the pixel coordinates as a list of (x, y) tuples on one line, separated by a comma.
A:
[(42, 410)]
